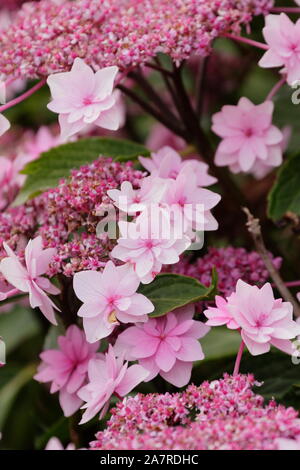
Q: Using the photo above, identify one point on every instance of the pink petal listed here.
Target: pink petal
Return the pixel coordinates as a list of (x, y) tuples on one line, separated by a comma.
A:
[(134, 375)]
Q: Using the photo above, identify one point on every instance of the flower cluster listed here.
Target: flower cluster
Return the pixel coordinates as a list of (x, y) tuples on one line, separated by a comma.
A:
[(170, 207), (66, 217), (231, 264), (47, 37), (219, 415)]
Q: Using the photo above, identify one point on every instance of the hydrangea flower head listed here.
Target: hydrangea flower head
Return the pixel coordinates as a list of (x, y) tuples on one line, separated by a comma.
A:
[(108, 298), (249, 139), (167, 346), (29, 278), (82, 97), (283, 39), (222, 414), (67, 367), (108, 376)]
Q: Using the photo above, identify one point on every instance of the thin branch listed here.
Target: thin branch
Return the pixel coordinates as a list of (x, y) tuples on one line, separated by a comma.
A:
[(24, 96), (254, 229), (158, 68), (152, 111), (200, 83), (153, 96)]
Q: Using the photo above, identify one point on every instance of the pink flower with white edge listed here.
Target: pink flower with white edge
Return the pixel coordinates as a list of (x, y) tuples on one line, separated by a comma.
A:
[(55, 444), (167, 163), (283, 39), (4, 124), (263, 321), (29, 278), (167, 346), (220, 315), (67, 367), (132, 200), (248, 137), (150, 242), (82, 97), (108, 376), (108, 298), (190, 204)]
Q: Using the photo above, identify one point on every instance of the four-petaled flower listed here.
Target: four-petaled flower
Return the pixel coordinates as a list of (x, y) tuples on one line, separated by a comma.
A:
[(82, 97), (108, 298)]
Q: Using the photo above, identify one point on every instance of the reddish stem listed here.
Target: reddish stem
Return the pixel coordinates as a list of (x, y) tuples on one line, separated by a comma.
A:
[(238, 359), (250, 42), (24, 96), (276, 88), (285, 10)]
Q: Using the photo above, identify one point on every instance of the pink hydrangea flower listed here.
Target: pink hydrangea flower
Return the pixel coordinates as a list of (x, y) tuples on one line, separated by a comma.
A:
[(108, 298), (55, 444), (82, 97), (4, 124), (190, 203), (248, 137), (220, 315), (67, 367), (29, 278), (283, 39), (167, 346), (108, 376), (132, 200), (167, 163), (263, 321), (150, 242)]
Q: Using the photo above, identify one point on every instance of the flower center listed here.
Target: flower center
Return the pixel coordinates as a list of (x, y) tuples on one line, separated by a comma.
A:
[(88, 100), (249, 132)]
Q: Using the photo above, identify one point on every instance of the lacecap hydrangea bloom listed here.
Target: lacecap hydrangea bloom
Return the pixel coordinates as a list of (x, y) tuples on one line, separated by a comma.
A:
[(122, 33), (219, 415)]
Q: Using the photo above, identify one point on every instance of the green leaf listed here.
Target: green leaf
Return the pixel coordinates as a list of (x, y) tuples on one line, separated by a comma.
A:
[(57, 163), (220, 342), (18, 326), (9, 392), (170, 291), (285, 194)]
